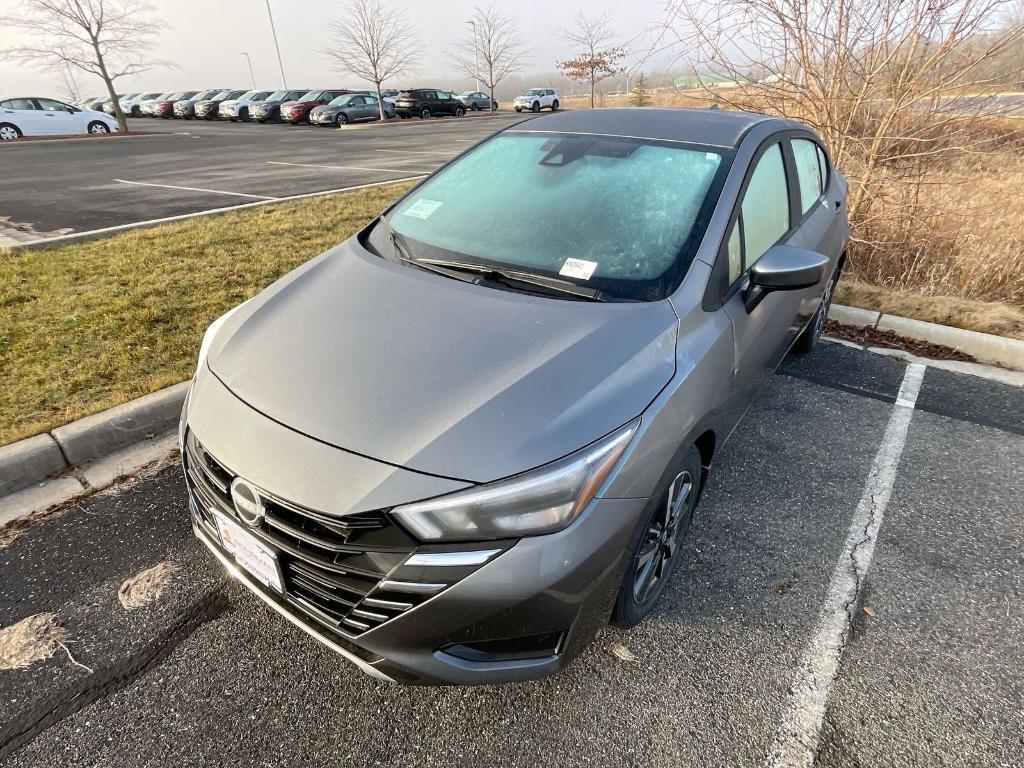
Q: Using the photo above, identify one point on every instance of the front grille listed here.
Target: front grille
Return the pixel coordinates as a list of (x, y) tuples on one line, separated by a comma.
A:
[(333, 567)]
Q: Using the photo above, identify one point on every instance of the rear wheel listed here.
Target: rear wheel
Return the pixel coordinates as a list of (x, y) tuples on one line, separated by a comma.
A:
[(655, 555), (9, 132), (554, 105), (808, 339), (424, 113), (97, 127)]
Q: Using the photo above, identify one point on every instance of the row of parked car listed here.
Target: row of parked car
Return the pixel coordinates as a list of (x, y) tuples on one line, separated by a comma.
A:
[(329, 106)]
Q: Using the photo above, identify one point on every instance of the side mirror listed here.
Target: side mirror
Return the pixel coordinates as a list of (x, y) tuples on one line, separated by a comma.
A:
[(784, 268)]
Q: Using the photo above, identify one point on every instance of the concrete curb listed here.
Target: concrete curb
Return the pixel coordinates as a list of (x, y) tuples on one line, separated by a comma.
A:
[(983, 347), (34, 459)]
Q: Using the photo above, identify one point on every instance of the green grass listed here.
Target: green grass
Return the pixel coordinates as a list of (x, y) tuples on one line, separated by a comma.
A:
[(90, 325)]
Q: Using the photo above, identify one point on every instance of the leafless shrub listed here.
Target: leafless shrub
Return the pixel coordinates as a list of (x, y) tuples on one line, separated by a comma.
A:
[(30, 640), (146, 586), (896, 88)]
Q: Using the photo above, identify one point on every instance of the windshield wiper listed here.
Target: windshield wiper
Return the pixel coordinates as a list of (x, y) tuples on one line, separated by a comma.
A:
[(515, 279)]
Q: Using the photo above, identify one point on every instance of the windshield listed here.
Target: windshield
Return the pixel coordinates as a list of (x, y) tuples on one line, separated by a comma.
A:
[(200, 96), (277, 95), (311, 96), (621, 215), (339, 101), (220, 95), (534, 92)]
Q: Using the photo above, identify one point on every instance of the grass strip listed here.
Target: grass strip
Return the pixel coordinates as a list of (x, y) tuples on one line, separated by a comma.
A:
[(87, 326)]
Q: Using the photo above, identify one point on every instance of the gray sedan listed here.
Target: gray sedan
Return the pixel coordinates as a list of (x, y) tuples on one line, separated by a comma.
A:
[(452, 452), (350, 108)]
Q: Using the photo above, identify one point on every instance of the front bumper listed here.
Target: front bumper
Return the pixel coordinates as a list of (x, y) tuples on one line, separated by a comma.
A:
[(525, 613)]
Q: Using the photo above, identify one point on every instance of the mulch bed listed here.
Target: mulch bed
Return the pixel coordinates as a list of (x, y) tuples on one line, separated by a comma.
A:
[(872, 337)]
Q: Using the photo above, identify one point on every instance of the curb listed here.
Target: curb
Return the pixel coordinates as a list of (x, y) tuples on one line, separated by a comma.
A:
[(34, 459), (983, 347)]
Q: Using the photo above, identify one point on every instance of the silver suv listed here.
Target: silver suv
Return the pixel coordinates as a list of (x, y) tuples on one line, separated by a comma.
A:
[(537, 99)]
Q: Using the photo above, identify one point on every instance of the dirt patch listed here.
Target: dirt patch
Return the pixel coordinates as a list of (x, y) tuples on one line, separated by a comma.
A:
[(33, 639), (145, 587), (872, 337)]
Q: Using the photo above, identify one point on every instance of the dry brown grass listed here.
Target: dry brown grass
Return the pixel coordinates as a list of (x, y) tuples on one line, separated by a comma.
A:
[(146, 586), (30, 640)]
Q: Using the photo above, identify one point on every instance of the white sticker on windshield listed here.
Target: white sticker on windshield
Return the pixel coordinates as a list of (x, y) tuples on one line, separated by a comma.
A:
[(422, 208), (578, 268)]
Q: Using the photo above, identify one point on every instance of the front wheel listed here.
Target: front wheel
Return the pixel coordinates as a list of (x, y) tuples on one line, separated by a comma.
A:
[(654, 557), (9, 132), (460, 111), (518, 109), (97, 127), (342, 119), (536, 107), (808, 339)]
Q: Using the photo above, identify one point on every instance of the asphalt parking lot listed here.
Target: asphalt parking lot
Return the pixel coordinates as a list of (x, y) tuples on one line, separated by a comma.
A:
[(931, 674), (78, 185)]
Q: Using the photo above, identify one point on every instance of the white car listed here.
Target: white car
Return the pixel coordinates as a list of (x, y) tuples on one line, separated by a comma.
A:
[(537, 99), (131, 104), (31, 116), (238, 109)]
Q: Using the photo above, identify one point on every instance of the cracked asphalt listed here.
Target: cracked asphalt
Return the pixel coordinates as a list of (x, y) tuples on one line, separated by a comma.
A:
[(210, 676)]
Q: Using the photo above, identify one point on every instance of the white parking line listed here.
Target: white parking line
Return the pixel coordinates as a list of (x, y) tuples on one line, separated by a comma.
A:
[(197, 189), (342, 167), (417, 152), (796, 742)]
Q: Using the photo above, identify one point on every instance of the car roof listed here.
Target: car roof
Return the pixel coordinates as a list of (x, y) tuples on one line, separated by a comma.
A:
[(696, 126)]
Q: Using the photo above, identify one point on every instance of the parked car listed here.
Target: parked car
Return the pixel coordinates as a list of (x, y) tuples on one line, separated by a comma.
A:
[(523, 461), (297, 111), (536, 99), (238, 109), (95, 103), (147, 106), (35, 116), (207, 109), (108, 105), (427, 102), (269, 110), (132, 105), (164, 106), (185, 108), (477, 101), (350, 108)]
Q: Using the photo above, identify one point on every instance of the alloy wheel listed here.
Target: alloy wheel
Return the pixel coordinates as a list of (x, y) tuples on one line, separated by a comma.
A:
[(661, 540)]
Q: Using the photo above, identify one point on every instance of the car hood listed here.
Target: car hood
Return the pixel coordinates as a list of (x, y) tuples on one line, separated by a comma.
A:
[(437, 375)]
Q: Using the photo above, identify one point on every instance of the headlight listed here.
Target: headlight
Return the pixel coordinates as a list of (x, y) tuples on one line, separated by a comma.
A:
[(540, 501), (211, 333)]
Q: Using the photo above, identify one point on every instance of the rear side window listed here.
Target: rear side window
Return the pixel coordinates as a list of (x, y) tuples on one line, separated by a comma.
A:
[(823, 166), (765, 207), (808, 172), (18, 104)]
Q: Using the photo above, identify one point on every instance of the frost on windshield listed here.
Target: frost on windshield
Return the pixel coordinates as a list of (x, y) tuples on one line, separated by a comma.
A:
[(533, 201)]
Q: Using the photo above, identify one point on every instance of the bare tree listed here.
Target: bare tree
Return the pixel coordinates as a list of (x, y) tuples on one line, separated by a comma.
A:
[(599, 57), (495, 48), (106, 38), (373, 42), (893, 86)]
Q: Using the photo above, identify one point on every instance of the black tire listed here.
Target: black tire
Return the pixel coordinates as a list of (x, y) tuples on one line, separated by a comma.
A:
[(97, 127), (655, 553), (518, 109), (460, 111), (808, 338), (536, 107), (424, 113), (341, 119), (475, 107), (9, 132), (135, 110), (243, 114), (554, 105)]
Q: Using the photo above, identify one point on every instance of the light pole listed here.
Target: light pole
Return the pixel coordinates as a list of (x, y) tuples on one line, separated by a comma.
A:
[(476, 55), (250, 69), (276, 46)]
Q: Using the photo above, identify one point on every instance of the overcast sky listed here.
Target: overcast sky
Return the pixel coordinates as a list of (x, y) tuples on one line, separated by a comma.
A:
[(204, 39)]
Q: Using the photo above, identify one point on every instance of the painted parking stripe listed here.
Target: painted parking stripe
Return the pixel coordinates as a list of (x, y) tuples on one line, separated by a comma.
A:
[(796, 742), (342, 167), (197, 189)]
